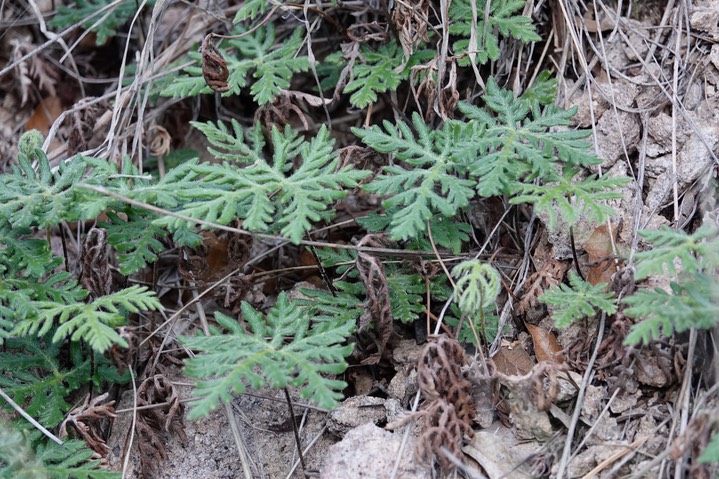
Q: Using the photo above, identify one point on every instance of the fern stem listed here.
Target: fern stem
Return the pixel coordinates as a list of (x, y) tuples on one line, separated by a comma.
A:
[(295, 431)]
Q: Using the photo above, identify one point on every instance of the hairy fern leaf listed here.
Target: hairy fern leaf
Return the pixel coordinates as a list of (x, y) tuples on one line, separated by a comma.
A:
[(577, 300), (517, 145), (327, 309), (26, 456), (37, 376), (37, 198), (92, 322), (430, 186), (477, 286), (250, 9), (265, 195), (271, 66), (134, 239), (711, 451), (109, 21), (588, 196), (378, 74), (694, 252), (238, 145), (694, 303), (279, 350), (503, 18)]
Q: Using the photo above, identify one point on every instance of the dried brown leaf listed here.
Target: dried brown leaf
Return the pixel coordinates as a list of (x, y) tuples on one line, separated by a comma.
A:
[(87, 422), (377, 307), (546, 346)]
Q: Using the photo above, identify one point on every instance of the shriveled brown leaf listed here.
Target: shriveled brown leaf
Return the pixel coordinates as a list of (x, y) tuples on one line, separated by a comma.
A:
[(88, 420), (513, 361), (600, 255), (546, 346), (377, 308)]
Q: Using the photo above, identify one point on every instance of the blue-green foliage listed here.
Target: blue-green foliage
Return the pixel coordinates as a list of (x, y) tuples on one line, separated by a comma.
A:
[(23, 455), (288, 193), (579, 299), (711, 452), (693, 301), (270, 65), (109, 20), (38, 377), (504, 149), (504, 17), (278, 350), (430, 182), (377, 70), (135, 239)]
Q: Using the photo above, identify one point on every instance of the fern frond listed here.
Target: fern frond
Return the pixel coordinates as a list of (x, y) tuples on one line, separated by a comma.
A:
[(271, 66), (31, 256), (238, 145), (38, 376), (328, 310), (38, 198), (579, 299), (112, 18), (134, 239), (265, 195), (557, 198), (24, 456), (477, 286), (280, 350), (92, 322), (250, 9), (376, 75), (694, 252), (503, 18), (407, 294), (711, 451), (517, 145), (694, 303), (429, 187)]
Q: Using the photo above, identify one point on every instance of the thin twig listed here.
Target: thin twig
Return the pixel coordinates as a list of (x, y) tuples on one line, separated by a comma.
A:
[(566, 452), (28, 417)]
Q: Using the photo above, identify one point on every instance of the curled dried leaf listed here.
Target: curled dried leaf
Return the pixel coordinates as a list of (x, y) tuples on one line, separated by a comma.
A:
[(214, 67)]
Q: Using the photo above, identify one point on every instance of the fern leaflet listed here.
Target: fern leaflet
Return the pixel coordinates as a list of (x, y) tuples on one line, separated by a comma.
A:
[(280, 350), (430, 187), (502, 18), (271, 67), (579, 299)]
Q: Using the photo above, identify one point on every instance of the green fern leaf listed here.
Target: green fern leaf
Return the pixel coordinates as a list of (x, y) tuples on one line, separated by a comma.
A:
[(711, 451), (271, 66), (278, 195), (578, 300), (327, 310), (37, 198), (24, 456), (109, 21), (477, 286), (38, 376), (407, 295), (280, 350), (250, 9), (190, 82), (692, 304), (134, 239), (503, 18), (556, 199), (93, 322), (376, 75), (517, 144), (429, 187), (694, 252)]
